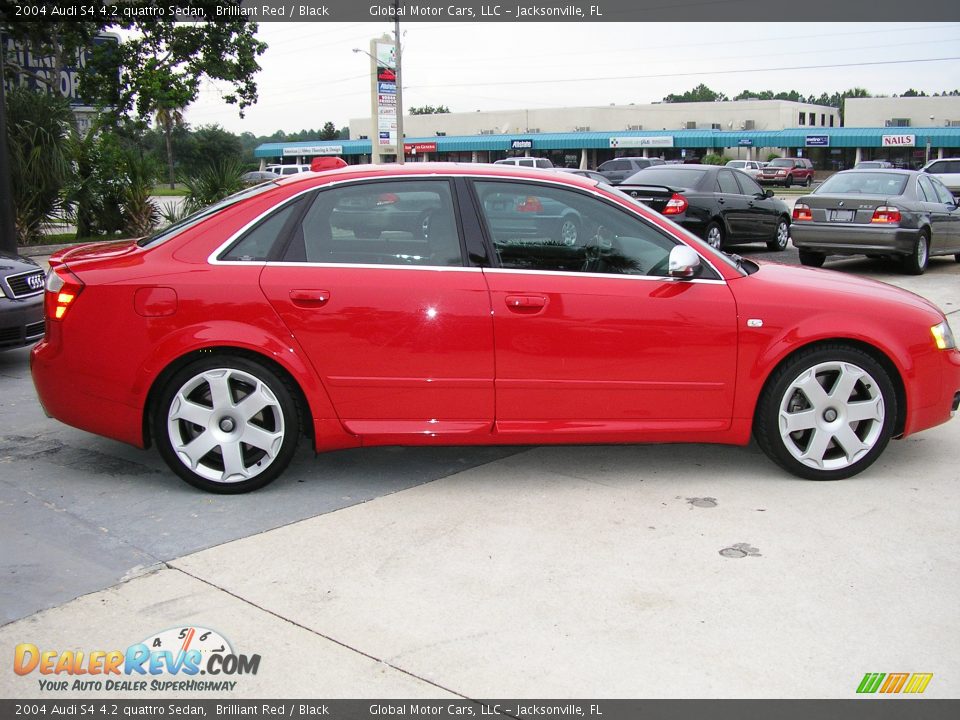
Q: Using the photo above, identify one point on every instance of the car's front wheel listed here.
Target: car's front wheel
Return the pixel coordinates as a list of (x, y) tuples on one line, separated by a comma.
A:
[(827, 413), (782, 236), (226, 424)]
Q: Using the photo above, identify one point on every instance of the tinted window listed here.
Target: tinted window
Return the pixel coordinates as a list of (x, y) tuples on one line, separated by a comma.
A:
[(942, 193), (737, 164), (925, 187), (667, 175), (781, 162), (616, 165), (256, 244), (379, 223), (534, 227), (727, 183), (863, 183), (747, 184)]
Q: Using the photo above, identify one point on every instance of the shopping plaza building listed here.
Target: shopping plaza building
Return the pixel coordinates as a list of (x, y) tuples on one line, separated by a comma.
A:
[(904, 130)]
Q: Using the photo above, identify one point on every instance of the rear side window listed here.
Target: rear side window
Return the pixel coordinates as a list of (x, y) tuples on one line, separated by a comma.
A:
[(379, 223), (257, 243)]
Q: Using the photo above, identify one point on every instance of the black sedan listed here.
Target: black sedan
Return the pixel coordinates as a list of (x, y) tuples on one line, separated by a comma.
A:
[(902, 214), (719, 204), (21, 301)]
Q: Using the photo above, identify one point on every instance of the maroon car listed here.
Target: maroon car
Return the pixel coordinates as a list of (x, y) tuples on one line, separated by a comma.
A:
[(787, 172)]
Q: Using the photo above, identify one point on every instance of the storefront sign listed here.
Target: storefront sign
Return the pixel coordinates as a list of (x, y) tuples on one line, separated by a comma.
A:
[(745, 142), (521, 145), (415, 148), (313, 150), (648, 141), (899, 140), (817, 141)]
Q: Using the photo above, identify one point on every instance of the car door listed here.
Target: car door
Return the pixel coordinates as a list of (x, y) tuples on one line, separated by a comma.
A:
[(594, 338), (951, 214), (763, 212), (396, 326), (735, 208)]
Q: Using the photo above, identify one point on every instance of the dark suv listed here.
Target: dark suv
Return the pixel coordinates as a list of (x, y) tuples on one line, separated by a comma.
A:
[(619, 169), (787, 172)]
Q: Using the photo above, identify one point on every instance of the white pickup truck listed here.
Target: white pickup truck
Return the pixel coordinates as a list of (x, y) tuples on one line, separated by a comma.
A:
[(948, 171)]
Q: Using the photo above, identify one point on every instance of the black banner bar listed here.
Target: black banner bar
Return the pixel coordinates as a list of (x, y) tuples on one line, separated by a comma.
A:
[(873, 708)]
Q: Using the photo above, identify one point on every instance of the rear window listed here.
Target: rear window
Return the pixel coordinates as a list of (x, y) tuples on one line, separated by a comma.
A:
[(615, 165), (188, 222), (863, 183), (667, 175)]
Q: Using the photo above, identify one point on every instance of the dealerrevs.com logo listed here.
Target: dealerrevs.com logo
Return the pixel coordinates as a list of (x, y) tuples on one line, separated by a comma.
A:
[(893, 683), (178, 659)]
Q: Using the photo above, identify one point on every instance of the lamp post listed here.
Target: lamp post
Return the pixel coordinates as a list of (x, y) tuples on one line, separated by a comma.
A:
[(927, 158)]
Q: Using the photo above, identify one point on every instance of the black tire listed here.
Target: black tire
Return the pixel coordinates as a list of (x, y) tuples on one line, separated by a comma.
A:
[(788, 182), (809, 181), (848, 382), (212, 391), (916, 262), (568, 231), (812, 259), (714, 235), (957, 257), (782, 236)]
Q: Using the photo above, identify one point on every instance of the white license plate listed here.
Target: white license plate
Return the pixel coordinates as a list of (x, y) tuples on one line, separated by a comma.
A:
[(841, 215)]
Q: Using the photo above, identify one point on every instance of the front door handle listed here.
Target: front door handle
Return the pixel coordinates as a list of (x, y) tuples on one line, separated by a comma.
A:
[(310, 298), (525, 304)]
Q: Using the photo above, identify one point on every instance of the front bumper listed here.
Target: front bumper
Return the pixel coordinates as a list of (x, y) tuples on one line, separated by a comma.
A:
[(848, 239), (21, 321)]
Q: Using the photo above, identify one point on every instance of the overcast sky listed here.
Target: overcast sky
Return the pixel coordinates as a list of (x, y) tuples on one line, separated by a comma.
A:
[(310, 74)]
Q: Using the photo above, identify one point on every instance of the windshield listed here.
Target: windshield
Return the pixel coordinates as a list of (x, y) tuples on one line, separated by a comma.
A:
[(200, 215), (781, 163), (666, 175), (863, 183)]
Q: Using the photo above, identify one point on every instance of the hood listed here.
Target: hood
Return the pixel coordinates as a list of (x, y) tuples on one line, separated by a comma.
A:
[(11, 261)]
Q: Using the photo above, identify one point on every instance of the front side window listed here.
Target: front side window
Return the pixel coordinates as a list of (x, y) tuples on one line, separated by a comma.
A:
[(943, 194), (748, 185), (408, 222), (538, 227)]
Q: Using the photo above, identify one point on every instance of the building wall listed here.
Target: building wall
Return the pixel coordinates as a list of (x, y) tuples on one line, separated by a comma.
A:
[(877, 112), (764, 114)]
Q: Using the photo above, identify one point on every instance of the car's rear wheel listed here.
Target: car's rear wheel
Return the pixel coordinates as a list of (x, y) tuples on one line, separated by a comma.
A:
[(812, 259), (226, 424), (782, 236), (714, 236), (916, 262), (827, 413)]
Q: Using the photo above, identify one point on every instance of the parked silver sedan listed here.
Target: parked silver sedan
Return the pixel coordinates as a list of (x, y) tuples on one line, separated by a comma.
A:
[(904, 214)]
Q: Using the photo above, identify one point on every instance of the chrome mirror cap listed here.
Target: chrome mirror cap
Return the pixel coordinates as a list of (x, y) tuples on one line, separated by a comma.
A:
[(684, 262)]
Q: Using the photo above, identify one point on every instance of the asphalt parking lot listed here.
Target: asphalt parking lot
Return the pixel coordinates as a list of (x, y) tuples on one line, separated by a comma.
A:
[(635, 571)]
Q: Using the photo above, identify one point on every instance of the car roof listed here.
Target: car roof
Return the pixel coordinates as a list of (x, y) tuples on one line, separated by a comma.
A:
[(426, 169)]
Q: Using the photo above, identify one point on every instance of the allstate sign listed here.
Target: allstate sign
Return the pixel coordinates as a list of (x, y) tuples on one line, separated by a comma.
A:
[(524, 144)]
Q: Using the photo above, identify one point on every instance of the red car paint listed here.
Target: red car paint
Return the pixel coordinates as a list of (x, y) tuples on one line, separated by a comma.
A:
[(473, 354)]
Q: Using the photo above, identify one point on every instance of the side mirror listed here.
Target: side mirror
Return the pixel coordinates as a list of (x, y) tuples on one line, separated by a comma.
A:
[(683, 262)]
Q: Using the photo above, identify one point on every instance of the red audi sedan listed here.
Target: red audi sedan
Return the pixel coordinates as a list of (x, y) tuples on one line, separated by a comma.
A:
[(473, 304)]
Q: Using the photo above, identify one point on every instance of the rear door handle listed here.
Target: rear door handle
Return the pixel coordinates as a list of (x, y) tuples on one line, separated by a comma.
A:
[(526, 304), (310, 298)]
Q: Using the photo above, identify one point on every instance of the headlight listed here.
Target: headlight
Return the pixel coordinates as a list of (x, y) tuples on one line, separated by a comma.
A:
[(943, 336)]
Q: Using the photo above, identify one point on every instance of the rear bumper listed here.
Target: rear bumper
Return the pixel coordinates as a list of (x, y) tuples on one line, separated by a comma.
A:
[(853, 240)]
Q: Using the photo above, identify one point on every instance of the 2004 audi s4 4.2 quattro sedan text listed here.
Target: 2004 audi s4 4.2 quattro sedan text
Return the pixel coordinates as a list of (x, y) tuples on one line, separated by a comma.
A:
[(480, 305)]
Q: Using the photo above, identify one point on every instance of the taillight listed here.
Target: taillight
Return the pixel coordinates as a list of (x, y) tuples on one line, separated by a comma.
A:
[(63, 287), (802, 212), (387, 199), (886, 214), (676, 205), (531, 204)]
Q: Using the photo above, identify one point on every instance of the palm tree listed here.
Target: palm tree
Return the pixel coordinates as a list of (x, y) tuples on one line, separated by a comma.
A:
[(169, 118)]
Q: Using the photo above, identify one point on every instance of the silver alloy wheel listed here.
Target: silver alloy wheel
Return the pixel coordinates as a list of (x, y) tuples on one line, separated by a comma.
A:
[(921, 251), (569, 232), (831, 415), (225, 425), (783, 234), (714, 236)]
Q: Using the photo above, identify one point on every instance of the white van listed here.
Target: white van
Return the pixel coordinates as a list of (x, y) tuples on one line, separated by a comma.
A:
[(533, 162), (284, 170)]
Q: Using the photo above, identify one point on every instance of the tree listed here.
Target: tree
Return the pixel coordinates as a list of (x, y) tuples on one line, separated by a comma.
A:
[(169, 118), (428, 110), (160, 67), (329, 131), (701, 93)]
